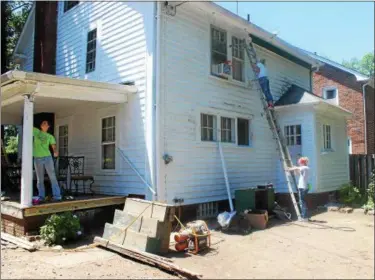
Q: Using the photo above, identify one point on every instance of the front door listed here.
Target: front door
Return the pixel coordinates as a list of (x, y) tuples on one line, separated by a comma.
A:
[(293, 139)]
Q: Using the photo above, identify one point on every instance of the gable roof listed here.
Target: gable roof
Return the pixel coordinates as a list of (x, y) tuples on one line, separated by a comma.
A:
[(359, 76), (296, 95)]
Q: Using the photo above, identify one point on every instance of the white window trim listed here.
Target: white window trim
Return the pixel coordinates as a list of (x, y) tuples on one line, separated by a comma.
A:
[(216, 122), (225, 114), (118, 164), (334, 100), (326, 150), (230, 79)]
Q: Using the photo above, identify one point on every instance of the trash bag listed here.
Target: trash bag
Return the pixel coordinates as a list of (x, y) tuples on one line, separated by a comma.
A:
[(225, 218)]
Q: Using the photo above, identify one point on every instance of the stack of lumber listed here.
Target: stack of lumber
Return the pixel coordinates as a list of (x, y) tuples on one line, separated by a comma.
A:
[(142, 225)]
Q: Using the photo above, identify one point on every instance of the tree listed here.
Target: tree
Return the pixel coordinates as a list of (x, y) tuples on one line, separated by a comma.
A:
[(13, 17), (364, 66)]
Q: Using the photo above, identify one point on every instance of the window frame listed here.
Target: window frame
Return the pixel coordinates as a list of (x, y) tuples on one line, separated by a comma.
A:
[(228, 132), (94, 50), (250, 144), (327, 140), (212, 28), (59, 142), (214, 127), (107, 143), (66, 7), (288, 135), (238, 59)]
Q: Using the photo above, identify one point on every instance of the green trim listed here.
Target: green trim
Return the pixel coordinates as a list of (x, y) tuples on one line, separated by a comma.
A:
[(260, 42)]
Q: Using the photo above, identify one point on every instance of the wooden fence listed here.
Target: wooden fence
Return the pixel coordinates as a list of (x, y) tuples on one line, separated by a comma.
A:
[(361, 167)]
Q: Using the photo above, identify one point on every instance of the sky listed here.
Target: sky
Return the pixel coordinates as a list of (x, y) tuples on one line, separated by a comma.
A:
[(336, 30)]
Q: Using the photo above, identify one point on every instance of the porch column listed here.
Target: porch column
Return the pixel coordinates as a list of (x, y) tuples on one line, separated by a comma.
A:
[(27, 152)]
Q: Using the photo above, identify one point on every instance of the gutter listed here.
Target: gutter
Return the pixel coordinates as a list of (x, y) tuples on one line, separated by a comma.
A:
[(156, 100), (364, 112)]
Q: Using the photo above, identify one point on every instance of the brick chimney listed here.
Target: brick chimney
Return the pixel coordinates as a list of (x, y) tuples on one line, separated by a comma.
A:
[(45, 36)]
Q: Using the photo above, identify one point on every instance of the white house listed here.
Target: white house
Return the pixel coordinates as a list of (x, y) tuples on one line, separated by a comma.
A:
[(170, 127)]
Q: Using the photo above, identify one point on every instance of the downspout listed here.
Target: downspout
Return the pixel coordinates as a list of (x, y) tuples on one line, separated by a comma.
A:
[(155, 99), (364, 113)]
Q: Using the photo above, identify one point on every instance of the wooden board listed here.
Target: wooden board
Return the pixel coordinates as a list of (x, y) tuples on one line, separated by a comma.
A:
[(72, 205)]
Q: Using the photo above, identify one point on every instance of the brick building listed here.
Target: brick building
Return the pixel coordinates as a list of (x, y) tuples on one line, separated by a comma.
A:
[(352, 91)]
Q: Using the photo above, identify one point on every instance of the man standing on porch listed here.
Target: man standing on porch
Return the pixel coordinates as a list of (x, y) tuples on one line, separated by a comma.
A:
[(43, 160)]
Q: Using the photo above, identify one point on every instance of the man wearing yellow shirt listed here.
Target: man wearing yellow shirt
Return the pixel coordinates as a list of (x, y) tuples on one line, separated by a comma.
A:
[(43, 160)]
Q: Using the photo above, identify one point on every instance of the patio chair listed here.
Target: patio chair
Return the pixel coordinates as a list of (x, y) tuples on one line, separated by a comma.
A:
[(77, 169)]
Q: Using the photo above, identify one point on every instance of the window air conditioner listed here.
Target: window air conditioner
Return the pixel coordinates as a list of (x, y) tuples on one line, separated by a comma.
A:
[(222, 70)]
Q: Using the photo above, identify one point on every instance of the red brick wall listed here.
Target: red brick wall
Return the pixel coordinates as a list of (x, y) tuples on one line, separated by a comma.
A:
[(370, 119), (350, 98)]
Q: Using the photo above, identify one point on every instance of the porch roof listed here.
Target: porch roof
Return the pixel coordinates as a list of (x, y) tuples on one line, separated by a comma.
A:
[(53, 93), (297, 96)]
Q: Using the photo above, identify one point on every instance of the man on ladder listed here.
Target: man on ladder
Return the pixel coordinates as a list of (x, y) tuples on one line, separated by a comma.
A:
[(261, 71)]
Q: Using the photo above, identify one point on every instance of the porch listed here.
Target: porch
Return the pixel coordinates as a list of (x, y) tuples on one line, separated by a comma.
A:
[(25, 94)]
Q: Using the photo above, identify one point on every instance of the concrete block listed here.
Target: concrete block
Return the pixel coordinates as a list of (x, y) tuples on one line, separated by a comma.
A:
[(123, 220), (151, 227), (141, 242), (114, 234), (149, 209)]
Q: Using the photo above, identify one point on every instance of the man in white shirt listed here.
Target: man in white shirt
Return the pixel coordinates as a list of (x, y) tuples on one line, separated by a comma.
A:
[(262, 74), (303, 185)]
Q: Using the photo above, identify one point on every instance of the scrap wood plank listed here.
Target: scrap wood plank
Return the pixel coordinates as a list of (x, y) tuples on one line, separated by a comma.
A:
[(148, 258), (18, 241)]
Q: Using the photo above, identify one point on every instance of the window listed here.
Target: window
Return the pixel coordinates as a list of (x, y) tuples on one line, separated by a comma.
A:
[(327, 141), (218, 48), (63, 140), (293, 135), (243, 132), (108, 143), (227, 130), (91, 51), (238, 59), (208, 127), (69, 4), (330, 94)]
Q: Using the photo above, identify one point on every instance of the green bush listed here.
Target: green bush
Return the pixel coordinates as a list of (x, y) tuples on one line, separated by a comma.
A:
[(371, 192), (349, 194), (60, 228)]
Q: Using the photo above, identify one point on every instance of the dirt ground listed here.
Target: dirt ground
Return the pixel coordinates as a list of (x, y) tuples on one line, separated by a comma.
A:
[(336, 246)]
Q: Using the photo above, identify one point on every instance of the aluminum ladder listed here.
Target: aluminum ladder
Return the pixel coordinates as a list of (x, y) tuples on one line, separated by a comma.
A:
[(275, 128)]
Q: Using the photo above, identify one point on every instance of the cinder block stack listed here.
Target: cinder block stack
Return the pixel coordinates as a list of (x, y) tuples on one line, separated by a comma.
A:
[(142, 225)]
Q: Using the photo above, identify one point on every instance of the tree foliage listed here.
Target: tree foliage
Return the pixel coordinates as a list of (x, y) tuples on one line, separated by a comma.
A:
[(365, 65), (13, 17)]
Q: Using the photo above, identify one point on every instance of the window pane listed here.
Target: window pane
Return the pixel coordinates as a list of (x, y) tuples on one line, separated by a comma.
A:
[(208, 127), (108, 156), (331, 94), (227, 130), (298, 129), (298, 140), (237, 66), (91, 53), (243, 132)]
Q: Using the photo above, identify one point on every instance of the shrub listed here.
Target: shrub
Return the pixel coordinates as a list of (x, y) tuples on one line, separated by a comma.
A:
[(349, 194), (59, 228), (371, 192)]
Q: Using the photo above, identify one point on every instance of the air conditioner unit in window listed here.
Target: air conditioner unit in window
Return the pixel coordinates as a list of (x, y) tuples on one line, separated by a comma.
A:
[(222, 70)]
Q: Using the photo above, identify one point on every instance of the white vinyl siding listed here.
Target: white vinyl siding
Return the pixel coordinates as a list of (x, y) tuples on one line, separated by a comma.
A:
[(125, 40)]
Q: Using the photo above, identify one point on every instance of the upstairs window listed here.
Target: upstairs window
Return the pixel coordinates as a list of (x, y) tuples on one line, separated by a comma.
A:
[(327, 138), (238, 59), (91, 51), (208, 127), (227, 130), (69, 4), (293, 135), (218, 48)]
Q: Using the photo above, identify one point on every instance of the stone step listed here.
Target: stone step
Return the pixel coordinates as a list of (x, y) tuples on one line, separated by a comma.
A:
[(141, 242), (114, 233)]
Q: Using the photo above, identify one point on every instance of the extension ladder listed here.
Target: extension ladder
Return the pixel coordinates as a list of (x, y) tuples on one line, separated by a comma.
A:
[(272, 121)]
